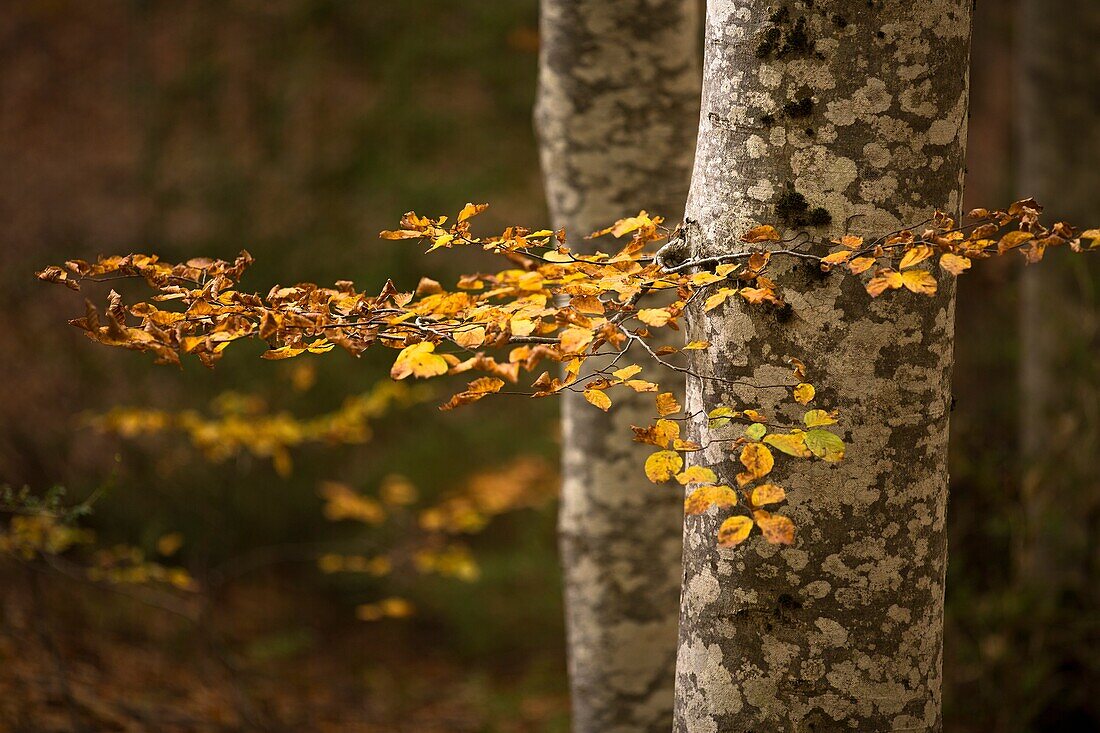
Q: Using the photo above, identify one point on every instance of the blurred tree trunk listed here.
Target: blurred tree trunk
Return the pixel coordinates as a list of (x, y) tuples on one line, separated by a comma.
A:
[(1059, 164), (861, 108), (1058, 141), (617, 112)]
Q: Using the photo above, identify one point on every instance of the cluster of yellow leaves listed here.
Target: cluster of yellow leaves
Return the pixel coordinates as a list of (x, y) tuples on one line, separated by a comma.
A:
[(428, 530), (30, 535), (549, 304), (896, 256), (123, 564), (242, 423), (753, 449)]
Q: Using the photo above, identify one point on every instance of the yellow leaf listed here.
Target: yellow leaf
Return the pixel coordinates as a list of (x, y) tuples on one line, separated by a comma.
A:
[(777, 529), (627, 372), (598, 398), (655, 317), (626, 226), (803, 393), (860, 264), (767, 494), (700, 279), (641, 385), (919, 281), (663, 465), (837, 258), (758, 462), (470, 210), (667, 404), (1013, 240), (697, 475), (762, 233), (475, 390), (815, 418), (470, 338), (169, 544), (703, 498), (718, 298), (574, 340), (886, 279), (734, 531), (917, 254), (401, 234), (696, 345), (521, 326), (755, 416), (954, 264), (793, 443), (418, 360)]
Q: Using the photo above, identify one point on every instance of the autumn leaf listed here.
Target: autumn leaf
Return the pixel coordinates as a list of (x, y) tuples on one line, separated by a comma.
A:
[(418, 360), (663, 465), (825, 445), (860, 265), (471, 210), (954, 264), (667, 404), (919, 281), (755, 431), (767, 494), (913, 256), (734, 531), (627, 372), (777, 529), (697, 475), (703, 498), (837, 258), (477, 389), (758, 462), (816, 418), (470, 338), (803, 393), (793, 443), (692, 345), (718, 298), (763, 233), (655, 317), (886, 279), (721, 416), (1013, 240), (575, 340), (598, 398)]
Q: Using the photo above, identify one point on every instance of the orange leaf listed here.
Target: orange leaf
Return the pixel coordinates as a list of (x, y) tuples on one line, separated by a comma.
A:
[(777, 529)]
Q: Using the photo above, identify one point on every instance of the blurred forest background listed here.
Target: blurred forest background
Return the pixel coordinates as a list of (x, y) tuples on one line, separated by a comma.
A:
[(298, 129)]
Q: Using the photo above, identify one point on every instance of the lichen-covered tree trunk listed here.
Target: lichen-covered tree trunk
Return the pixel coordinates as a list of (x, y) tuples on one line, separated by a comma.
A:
[(1058, 75), (860, 108), (617, 113)]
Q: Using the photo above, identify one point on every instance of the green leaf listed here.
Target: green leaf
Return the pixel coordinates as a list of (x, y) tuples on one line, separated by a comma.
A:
[(755, 431), (720, 416), (825, 445)]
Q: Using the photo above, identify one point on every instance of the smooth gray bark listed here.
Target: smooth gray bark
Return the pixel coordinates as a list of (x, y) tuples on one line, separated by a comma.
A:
[(1058, 145), (861, 107), (617, 113)]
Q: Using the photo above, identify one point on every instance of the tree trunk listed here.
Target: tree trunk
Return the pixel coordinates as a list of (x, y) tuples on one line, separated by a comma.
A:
[(617, 114), (1059, 164), (861, 108)]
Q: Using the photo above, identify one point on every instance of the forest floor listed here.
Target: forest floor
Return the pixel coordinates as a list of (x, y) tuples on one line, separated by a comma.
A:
[(77, 659)]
